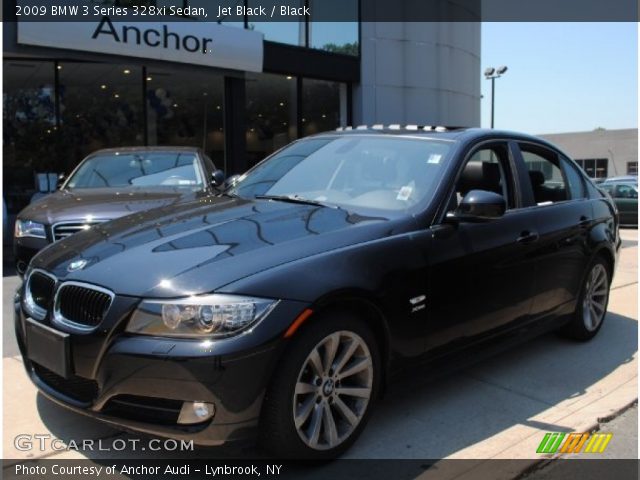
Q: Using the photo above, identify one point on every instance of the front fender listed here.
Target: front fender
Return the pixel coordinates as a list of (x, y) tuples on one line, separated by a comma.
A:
[(387, 272)]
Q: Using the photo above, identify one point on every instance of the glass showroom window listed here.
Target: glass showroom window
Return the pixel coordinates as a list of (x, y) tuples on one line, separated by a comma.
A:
[(29, 128), (632, 168), (100, 107), (321, 102), (186, 110), (336, 37), (271, 114), (292, 33)]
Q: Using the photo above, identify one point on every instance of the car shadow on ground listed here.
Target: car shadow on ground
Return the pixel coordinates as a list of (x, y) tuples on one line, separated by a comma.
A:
[(510, 388), (423, 416)]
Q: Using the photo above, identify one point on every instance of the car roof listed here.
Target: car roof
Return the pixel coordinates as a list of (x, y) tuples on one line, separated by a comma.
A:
[(624, 179), (621, 182), (148, 149), (434, 132)]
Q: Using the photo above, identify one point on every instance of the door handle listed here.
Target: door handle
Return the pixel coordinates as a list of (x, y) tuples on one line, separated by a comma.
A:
[(527, 237), (584, 222)]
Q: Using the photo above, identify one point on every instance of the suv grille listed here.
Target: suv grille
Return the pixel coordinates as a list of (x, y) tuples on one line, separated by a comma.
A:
[(64, 230), (78, 388), (41, 289), (82, 305)]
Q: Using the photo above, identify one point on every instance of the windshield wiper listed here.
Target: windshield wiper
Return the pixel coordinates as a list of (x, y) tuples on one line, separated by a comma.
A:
[(297, 199)]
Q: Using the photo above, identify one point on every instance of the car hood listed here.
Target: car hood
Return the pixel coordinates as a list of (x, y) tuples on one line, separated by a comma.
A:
[(200, 246), (99, 203)]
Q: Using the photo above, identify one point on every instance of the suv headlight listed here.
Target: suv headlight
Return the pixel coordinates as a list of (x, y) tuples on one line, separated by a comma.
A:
[(213, 316), (28, 228)]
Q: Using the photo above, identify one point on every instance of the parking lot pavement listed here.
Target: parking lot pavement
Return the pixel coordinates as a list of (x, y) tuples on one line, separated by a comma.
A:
[(498, 409)]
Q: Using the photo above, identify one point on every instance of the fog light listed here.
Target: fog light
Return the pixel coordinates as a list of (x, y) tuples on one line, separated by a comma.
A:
[(195, 412)]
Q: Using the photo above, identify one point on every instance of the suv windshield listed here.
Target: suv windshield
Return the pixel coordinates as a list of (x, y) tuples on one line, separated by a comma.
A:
[(138, 169), (388, 174)]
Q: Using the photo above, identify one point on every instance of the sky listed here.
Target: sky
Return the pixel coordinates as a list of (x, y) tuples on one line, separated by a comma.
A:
[(561, 77)]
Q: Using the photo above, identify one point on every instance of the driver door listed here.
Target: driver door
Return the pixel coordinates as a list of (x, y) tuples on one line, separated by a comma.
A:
[(481, 275)]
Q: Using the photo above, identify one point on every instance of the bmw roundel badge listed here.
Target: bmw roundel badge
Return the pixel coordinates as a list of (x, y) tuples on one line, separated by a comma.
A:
[(77, 265)]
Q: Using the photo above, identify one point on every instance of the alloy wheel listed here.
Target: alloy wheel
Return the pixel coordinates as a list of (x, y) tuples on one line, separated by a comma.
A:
[(594, 303), (333, 390)]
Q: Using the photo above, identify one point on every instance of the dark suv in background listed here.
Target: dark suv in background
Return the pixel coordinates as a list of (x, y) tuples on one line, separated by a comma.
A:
[(282, 306), (109, 184)]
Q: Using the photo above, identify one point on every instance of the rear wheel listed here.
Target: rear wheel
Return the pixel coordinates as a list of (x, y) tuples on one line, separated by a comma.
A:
[(321, 398), (592, 304)]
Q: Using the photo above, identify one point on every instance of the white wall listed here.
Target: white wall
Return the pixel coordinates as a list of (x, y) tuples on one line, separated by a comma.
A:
[(419, 73), (618, 146)]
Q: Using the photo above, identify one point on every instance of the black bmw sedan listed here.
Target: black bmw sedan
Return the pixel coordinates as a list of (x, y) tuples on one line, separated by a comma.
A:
[(282, 307)]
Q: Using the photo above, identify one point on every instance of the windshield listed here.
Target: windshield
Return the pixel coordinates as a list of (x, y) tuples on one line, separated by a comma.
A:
[(138, 169), (388, 174)]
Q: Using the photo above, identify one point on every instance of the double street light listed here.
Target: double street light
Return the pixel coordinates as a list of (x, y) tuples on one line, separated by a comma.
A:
[(491, 74)]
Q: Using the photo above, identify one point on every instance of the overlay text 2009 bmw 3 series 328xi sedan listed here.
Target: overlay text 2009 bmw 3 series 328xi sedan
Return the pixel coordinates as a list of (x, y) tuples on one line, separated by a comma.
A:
[(279, 308)]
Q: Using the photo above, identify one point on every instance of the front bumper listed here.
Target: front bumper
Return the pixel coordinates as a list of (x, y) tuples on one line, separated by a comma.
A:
[(139, 383), (24, 249)]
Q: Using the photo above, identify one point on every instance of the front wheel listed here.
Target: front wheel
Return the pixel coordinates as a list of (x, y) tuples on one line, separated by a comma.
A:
[(321, 398), (592, 303)]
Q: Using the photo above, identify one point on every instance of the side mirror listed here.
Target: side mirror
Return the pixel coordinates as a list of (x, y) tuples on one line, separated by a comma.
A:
[(217, 178), (61, 178), (480, 206)]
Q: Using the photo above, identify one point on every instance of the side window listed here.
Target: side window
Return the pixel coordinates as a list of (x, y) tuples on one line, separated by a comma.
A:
[(625, 191), (486, 169), (607, 188), (574, 179), (547, 181)]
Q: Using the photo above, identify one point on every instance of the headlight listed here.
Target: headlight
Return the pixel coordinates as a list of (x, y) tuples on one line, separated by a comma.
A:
[(28, 228), (212, 316)]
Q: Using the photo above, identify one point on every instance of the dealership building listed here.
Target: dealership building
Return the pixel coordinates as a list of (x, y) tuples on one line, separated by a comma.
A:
[(601, 153), (238, 89)]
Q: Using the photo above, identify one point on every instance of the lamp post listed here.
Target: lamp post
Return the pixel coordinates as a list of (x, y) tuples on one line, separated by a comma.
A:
[(491, 74)]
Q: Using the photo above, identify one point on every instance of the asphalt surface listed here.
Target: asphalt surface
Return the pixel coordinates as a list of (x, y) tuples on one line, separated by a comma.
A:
[(498, 408), (624, 427)]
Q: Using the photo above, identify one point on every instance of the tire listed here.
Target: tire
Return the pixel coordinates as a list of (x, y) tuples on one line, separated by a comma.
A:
[(591, 310), (310, 412)]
